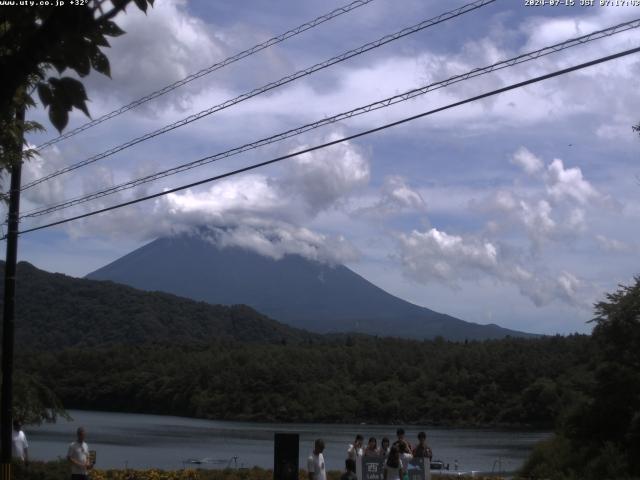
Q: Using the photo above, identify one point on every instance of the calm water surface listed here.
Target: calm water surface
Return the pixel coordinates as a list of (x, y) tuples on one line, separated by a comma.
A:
[(144, 441)]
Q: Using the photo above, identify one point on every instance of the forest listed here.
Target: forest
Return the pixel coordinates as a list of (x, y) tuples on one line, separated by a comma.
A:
[(56, 311), (510, 382), (103, 346)]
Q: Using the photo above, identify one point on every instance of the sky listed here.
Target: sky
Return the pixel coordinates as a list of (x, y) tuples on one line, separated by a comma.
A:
[(521, 209)]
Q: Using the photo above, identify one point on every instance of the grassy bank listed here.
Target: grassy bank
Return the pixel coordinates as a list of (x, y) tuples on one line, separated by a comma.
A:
[(59, 470)]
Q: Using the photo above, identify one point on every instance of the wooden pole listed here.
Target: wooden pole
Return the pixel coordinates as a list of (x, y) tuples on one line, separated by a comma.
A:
[(8, 319)]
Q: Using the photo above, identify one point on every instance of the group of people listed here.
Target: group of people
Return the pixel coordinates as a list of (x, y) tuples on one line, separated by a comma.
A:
[(78, 453), (396, 456)]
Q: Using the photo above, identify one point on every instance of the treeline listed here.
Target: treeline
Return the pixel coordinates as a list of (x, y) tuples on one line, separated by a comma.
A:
[(355, 379), (598, 431)]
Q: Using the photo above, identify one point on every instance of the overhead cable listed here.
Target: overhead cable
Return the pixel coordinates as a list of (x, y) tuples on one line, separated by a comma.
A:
[(340, 140), (341, 116), (206, 71), (270, 86)]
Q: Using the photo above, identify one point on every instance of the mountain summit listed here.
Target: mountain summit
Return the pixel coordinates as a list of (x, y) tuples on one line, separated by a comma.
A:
[(294, 290)]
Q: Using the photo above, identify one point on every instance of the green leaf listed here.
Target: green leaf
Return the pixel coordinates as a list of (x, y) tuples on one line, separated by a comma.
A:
[(59, 64), (141, 4), (59, 116), (74, 93), (45, 94), (32, 126), (28, 101), (78, 59), (111, 29), (73, 88), (98, 39), (100, 63)]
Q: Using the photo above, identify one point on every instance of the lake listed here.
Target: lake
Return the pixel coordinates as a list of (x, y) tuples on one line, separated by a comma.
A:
[(144, 441)]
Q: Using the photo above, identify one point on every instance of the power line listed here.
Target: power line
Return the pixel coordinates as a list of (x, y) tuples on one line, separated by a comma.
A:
[(340, 140), (206, 71), (341, 116), (270, 86)]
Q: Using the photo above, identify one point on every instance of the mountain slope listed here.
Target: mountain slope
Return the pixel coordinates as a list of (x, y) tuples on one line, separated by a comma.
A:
[(294, 290), (56, 311)]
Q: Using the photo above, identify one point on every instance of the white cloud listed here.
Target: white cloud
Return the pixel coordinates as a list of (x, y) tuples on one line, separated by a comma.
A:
[(576, 220), (255, 211), (49, 192), (569, 184), (569, 285), (397, 193), (506, 208), (159, 48), (613, 245), (553, 206), (437, 256), (396, 196), (323, 177), (527, 161), (537, 220), (277, 239)]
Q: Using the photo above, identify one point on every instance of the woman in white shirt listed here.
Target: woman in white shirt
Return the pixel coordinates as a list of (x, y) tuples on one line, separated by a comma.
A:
[(405, 455), (393, 465), (384, 447), (354, 451)]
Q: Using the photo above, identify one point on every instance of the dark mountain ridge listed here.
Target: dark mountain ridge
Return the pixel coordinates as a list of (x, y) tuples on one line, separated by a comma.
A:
[(55, 311), (294, 290)]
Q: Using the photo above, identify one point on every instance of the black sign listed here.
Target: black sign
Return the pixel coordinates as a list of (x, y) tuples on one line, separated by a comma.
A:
[(373, 468), (285, 456)]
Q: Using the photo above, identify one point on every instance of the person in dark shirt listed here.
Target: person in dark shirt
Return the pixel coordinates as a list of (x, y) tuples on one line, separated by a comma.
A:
[(402, 441), (422, 449), (350, 467)]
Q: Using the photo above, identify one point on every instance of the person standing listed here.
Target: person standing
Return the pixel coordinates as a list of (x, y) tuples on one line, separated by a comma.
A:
[(384, 447), (393, 465), (354, 451), (372, 448), (315, 462), (422, 449), (78, 456), (402, 440), (405, 455), (19, 444)]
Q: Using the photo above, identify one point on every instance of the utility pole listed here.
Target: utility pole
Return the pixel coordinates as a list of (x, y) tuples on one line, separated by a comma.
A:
[(6, 403)]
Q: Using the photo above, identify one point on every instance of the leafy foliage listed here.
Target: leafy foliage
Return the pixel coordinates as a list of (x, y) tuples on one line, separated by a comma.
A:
[(59, 470), (599, 430), (497, 383), (34, 402), (37, 41)]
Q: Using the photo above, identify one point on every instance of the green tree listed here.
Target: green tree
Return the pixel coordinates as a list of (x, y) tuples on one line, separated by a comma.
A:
[(38, 41), (600, 430), (35, 403)]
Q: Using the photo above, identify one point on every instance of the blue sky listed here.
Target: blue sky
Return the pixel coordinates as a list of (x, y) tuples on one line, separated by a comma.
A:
[(520, 210)]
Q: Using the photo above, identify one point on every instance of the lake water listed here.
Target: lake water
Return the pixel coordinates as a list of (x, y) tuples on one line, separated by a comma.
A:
[(144, 441)]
